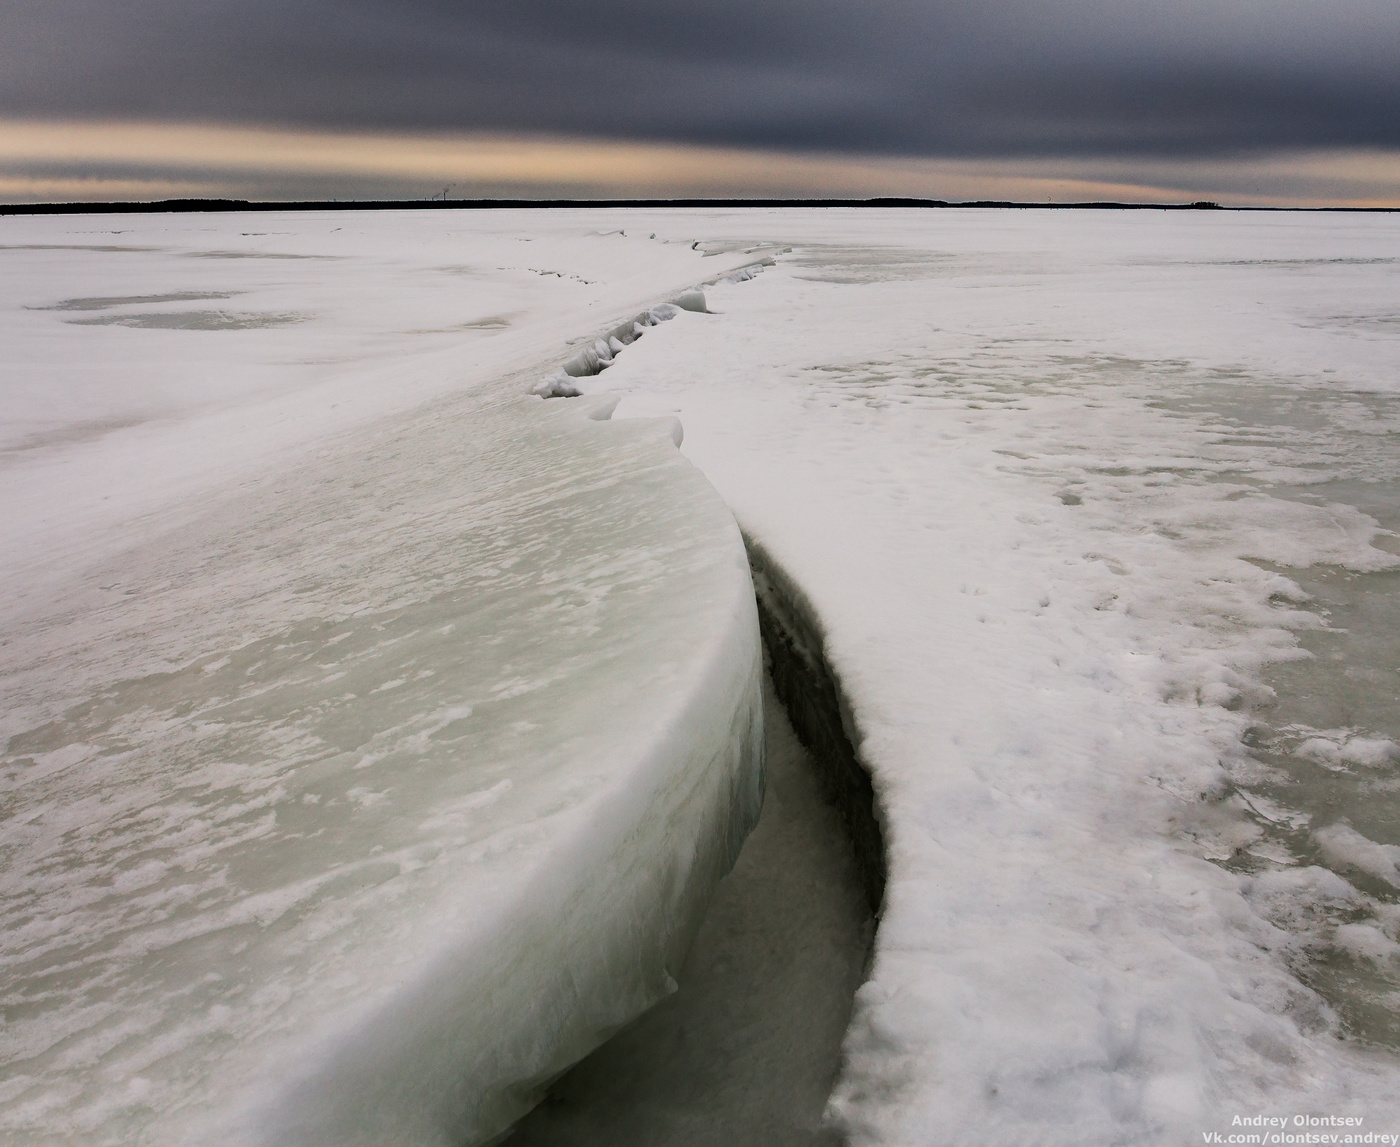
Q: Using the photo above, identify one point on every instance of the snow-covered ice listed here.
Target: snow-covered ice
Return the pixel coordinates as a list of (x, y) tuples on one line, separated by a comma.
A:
[(1052, 485), (375, 732), (1088, 512)]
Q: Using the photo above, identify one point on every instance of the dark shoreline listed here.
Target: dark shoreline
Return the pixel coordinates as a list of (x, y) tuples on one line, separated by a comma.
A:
[(178, 206)]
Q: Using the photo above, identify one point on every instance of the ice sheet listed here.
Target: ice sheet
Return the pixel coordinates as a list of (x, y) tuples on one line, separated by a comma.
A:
[(150, 357), (1049, 481), (363, 770), (1037, 474)]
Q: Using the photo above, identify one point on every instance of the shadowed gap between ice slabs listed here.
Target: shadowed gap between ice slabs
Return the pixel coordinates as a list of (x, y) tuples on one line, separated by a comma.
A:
[(749, 1047)]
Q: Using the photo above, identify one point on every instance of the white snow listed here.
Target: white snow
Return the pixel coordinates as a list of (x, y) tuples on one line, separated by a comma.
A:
[(1047, 481), (1343, 845), (1032, 472), (361, 769)]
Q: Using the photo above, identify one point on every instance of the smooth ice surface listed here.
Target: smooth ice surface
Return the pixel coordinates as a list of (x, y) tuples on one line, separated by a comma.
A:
[(375, 732), (1055, 484)]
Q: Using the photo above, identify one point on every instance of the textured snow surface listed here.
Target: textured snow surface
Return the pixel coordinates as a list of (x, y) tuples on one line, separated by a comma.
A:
[(375, 732), (1045, 480), (1063, 491)]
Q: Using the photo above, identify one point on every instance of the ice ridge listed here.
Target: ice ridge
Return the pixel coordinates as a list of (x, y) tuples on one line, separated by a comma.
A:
[(596, 356)]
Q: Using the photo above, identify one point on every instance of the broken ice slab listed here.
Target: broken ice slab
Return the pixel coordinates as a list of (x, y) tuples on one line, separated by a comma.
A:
[(355, 807)]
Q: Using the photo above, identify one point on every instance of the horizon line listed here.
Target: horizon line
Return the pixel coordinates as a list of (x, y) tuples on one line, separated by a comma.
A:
[(215, 205)]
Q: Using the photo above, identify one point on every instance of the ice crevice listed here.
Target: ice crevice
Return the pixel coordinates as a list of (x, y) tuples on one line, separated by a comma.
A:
[(821, 717), (749, 1047), (600, 352)]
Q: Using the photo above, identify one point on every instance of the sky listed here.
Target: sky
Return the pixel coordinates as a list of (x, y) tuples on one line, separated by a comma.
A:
[(1242, 101)]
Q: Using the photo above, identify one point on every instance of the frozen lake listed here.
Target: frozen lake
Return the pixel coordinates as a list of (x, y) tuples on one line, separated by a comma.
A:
[(1090, 514)]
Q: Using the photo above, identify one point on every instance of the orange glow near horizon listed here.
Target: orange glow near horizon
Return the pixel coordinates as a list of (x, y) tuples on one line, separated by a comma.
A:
[(48, 161)]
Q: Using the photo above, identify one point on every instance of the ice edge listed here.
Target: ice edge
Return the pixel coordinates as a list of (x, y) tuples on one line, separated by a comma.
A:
[(820, 715), (480, 1092)]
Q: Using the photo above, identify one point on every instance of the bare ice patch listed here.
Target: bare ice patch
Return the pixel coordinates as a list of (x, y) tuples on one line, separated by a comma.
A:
[(194, 321)]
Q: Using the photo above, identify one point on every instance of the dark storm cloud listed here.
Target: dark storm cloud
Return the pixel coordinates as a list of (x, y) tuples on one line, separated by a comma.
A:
[(944, 77)]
